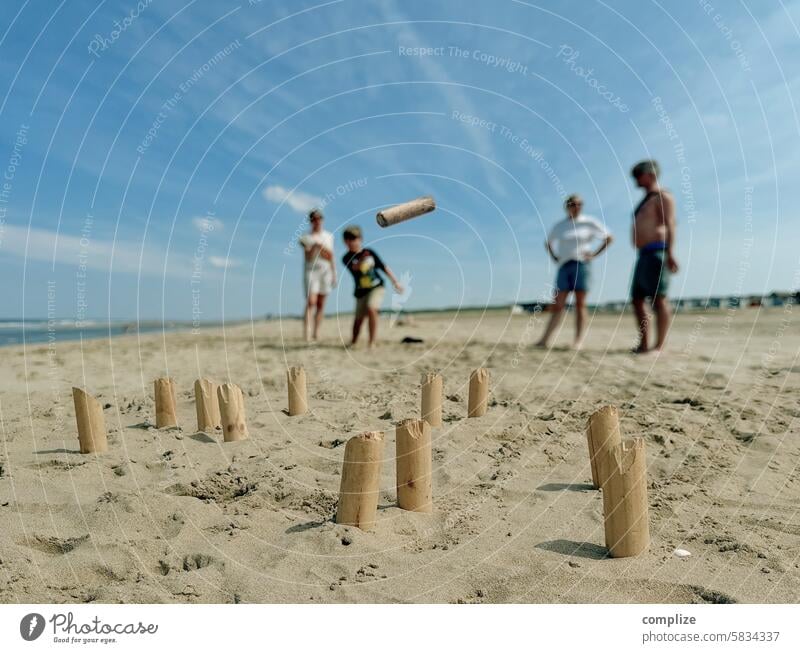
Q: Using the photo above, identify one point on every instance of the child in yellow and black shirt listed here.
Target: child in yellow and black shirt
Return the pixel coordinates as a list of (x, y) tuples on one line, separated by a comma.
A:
[(365, 265)]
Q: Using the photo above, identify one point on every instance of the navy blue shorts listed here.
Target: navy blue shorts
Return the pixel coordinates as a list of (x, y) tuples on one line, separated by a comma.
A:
[(572, 276), (651, 275)]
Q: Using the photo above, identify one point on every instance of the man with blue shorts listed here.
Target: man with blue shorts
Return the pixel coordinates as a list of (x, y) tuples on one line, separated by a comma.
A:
[(570, 245), (653, 235)]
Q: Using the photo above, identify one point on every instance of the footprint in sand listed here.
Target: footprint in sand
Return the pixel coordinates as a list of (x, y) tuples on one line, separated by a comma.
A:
[(55, 545)]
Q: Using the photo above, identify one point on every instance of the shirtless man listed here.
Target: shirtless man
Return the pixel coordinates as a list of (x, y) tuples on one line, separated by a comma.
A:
[(653, 234)]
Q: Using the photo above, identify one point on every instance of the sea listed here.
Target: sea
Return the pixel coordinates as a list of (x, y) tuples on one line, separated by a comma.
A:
[(17, 332)]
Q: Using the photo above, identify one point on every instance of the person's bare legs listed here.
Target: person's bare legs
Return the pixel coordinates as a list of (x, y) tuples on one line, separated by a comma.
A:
[(320, 306), (372, 314), (580, 317), (359, 319), (642, 323), (663, 315), (311, 302), (555, 318)]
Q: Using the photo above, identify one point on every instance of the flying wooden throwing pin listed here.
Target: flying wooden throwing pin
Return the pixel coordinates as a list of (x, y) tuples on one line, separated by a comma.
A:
[(403, 212)]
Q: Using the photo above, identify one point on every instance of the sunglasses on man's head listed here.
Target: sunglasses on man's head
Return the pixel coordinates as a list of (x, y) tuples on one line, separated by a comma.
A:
[(574, 203)]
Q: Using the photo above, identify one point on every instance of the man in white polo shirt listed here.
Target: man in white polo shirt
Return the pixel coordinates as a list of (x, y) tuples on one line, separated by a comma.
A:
[(571, 244)]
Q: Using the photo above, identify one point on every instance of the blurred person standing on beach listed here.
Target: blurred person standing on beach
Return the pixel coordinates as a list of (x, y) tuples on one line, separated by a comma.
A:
[(365, 265), (319, 275), (653, 235), (570, 244)]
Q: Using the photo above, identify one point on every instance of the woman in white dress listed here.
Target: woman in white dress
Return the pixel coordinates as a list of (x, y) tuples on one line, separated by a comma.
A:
[(319, 276)]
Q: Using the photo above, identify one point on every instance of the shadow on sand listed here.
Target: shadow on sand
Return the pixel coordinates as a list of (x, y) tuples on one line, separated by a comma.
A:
[(307, 526), (579, 549), (560, 487), (44, 452), (299, 347), (202, 437)]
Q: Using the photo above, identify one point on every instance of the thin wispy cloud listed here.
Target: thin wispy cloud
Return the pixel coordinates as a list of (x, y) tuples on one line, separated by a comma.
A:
[(299, 201), (204, 224), (46, 245), (223, 262)]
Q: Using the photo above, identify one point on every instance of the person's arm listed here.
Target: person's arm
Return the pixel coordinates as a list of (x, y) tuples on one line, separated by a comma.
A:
[(550, 251), (668, 219), (311, 249), (334, 276), (346, 261), (380, 265), (327, 253), (397, 285), (326, 250), (607, 238), (606, 242), (549, 244)]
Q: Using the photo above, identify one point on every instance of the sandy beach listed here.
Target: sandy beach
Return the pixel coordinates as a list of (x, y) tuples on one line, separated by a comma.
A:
[(178, 516)]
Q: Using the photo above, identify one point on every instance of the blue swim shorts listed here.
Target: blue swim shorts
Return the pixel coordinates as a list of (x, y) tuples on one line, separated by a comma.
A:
[(572, 276)]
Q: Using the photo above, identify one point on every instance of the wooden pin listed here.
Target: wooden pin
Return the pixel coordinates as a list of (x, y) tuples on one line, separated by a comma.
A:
[(207, 405), (166, 401), (298, 397), (432, 399), (414, 465), (602, 433), (231, 409), (403, 212), (625, 510), (92, 436), (361, 479), (478, 392)]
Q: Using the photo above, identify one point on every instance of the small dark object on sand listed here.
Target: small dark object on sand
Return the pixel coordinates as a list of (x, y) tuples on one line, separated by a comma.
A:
[(408, 340)]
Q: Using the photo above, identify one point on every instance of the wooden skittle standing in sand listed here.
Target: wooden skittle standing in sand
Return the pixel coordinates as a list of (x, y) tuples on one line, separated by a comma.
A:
[(478, 392), (602, 433), (361, 480), (92, 436), (207, 404), (432, 399), (231, 409), (625, 510), (166, 400), (403, 212), (414, 465), (298, 397)]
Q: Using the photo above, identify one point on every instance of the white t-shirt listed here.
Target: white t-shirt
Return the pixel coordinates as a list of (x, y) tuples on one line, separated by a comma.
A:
[(323, 238), (573, 240)]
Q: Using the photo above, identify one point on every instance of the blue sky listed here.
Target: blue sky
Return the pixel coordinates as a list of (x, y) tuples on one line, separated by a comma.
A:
[(158, 158)]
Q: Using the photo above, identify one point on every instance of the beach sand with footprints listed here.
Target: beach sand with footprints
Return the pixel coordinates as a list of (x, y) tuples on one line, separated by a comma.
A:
[(180, 516)]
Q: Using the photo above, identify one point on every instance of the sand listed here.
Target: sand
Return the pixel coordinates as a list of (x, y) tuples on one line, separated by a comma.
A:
[(177, 516)]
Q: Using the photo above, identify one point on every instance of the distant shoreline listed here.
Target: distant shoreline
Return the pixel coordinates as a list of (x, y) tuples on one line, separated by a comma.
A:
[(36, 332), (16, 331)]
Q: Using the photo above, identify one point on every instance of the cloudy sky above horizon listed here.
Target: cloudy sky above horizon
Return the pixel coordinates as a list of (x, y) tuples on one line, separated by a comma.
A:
[(159, 158)]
